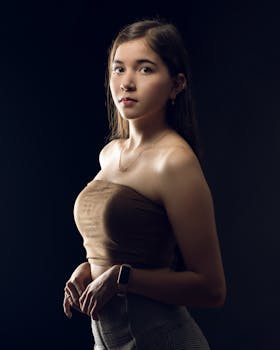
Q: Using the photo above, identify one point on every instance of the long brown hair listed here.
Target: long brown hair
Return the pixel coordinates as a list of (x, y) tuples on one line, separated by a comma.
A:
[(165, 39)]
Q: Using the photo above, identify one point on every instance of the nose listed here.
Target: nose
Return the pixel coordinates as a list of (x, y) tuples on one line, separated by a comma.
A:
[(123, 87), (127, 87), (127, 83)]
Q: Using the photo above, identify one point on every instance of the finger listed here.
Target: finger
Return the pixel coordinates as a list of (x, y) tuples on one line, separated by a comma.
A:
[(80, 287), (93, 311), (67, 307), (68, 292), (85, 300), (91, 305), (75, 306), (83, 297), (70, 301), (84, 304), (71, 289), (75, 302)]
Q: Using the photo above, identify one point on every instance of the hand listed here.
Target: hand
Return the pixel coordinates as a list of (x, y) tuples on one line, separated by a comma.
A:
[(74, 288), (99, 292)]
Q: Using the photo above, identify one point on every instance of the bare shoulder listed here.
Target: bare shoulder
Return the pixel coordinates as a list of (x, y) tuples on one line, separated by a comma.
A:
[(179, 159), (179, 155), (108, 151), (181, 173)]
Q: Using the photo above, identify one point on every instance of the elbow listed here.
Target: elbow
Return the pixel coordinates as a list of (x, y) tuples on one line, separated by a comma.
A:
[(218, 300), (218, 296)]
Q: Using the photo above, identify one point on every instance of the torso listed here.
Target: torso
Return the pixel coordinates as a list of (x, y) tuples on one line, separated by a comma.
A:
[(97, 270), (142, 175)]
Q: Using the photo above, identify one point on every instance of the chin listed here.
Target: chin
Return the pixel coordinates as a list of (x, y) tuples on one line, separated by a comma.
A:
[(128, 116)]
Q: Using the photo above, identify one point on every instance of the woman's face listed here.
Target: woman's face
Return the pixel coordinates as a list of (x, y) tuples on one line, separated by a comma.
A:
[(140, 82)]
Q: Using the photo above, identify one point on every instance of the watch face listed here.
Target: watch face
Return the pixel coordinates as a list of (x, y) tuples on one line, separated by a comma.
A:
[(124, 274)]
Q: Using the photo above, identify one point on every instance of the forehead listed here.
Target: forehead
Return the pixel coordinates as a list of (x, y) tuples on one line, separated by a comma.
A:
[(134, 50)]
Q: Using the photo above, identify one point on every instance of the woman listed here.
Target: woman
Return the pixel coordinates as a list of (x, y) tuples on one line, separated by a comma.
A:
[(148, 206)]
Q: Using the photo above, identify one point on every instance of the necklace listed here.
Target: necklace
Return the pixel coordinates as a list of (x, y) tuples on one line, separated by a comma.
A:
[(125, 168)]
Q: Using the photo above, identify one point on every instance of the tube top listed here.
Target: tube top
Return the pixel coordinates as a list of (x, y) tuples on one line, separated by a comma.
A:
[(120, 225)]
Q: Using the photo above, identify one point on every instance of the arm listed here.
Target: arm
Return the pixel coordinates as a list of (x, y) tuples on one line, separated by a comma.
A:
[(181, 288), (187, 199)]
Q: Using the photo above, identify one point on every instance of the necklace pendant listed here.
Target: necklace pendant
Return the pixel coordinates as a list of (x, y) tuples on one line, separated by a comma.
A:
[(122, 169)]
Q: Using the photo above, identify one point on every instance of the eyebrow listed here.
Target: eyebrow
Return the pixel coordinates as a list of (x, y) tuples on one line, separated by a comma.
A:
[(140, 61)]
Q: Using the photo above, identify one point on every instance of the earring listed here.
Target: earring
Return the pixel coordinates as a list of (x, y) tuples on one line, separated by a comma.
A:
[(173, 101)]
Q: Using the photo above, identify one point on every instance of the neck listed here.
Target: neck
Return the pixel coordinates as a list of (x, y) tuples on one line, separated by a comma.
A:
[(141, 134)]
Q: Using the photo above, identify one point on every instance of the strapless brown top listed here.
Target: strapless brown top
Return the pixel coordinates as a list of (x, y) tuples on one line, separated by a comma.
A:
[(120, 225)]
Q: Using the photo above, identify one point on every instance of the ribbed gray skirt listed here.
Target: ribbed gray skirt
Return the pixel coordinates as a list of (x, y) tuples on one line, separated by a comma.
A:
[(134, 322)]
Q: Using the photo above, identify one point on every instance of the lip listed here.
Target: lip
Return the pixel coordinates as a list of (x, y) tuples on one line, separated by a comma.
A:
[(127, 99), (128, 102)]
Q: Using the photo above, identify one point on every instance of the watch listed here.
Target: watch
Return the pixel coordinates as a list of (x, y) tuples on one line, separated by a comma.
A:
[(123, 278)]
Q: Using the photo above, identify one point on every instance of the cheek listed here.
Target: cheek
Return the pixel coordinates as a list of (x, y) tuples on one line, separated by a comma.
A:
[(160, 90)]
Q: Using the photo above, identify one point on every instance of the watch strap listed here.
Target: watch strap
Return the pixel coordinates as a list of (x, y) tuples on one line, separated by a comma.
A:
[(123, 279)]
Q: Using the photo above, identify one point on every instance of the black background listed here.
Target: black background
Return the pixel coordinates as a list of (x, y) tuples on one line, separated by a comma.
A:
[(53, 124)]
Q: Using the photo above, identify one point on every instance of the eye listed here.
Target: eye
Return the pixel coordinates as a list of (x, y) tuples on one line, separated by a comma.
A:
[(117, 69), (146, 70)]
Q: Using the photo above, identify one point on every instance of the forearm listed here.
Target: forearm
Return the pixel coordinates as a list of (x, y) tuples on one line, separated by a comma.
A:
[(181, 288)]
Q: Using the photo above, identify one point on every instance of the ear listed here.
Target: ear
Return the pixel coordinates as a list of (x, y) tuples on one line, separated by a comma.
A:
[(179, 84)]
